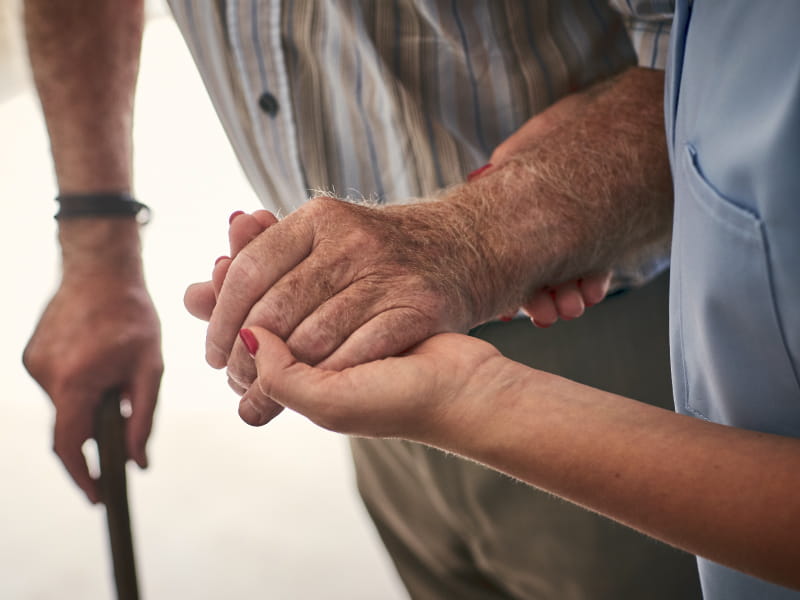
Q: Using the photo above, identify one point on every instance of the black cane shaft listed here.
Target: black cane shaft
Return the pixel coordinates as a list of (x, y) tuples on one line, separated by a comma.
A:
[(110, 435)]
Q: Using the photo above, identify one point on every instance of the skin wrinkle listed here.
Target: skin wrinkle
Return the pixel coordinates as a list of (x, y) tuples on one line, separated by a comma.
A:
[(312, 342)]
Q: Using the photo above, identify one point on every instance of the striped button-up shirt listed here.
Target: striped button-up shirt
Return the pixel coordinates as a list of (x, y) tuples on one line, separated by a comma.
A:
[(395, 99)]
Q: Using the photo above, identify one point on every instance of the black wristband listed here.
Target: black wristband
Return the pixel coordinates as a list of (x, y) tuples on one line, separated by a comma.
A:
[(73, 206)]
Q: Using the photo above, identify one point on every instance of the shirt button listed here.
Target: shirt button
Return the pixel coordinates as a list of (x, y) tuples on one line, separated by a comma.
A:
[(268, 103)]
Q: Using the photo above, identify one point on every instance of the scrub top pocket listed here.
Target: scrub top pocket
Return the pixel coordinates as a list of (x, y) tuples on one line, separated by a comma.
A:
[(728, 333)]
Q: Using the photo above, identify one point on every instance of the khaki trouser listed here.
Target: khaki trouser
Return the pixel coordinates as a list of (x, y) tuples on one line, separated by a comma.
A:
[(459, 531)]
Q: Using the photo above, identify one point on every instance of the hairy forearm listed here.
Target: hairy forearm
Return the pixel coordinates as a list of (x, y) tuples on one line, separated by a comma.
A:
[(84, 56), (720, 492), (593, 190)]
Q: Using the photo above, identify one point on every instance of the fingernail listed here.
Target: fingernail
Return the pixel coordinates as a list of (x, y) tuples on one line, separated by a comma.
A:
[(539, 325), (506, 319), (216, 262), (234, 215), (250, 341), (478, 172)]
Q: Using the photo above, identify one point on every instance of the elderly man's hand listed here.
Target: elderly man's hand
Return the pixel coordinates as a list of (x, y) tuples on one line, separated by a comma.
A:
[(565, 301), (100, 331), (343, 284)]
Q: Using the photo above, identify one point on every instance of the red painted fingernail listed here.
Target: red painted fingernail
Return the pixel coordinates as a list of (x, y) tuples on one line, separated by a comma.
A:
[(506, 319), (234, 215), (250, 341), (478, 172), (219, 259)]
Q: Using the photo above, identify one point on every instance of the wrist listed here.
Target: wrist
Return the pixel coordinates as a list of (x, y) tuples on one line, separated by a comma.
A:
[(105, 247), (477, 423), (446, 238), (498, 240)]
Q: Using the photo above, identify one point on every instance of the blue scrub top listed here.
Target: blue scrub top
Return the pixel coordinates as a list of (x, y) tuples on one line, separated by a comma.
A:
[(733, 125)]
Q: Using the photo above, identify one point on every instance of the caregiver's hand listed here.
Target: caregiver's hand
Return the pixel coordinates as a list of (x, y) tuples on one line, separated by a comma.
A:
[(417, 395)]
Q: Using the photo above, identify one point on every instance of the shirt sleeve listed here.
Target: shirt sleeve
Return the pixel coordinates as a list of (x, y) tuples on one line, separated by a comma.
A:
[(648, 23)]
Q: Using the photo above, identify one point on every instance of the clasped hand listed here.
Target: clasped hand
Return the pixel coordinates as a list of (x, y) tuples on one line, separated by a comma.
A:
[(344, 284)]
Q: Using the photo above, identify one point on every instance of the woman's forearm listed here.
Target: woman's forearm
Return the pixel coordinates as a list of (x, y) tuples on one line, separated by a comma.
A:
[(724, 493)]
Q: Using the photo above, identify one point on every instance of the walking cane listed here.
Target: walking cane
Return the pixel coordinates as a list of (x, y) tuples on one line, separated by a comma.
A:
[(110, 436)]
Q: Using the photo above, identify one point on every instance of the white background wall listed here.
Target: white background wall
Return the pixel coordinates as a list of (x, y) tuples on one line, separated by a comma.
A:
[(225, 511)]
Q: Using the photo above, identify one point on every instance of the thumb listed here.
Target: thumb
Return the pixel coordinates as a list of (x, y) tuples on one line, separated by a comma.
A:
[(271, 356), (281, 378)]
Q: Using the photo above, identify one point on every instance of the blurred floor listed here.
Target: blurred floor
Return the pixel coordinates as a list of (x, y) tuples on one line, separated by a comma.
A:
[(225, 511)]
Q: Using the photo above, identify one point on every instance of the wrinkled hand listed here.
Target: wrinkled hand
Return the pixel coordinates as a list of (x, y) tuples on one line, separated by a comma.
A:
[(412, 396), (344, 284), (564, 301), (328, 279), (97, 334)]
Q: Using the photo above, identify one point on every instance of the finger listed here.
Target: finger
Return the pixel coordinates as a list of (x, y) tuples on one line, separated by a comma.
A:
[(236, 387), (291, 383), (327, 327), (244, 228), (387, 334), (541, 308), (253, 271), (143, 398), (256, 409), (218, 274), (69, 434), (199, 299), (301, 293), (569, 300), (594, 288)]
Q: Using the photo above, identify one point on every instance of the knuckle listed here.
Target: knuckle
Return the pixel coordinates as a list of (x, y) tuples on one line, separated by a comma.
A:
[(59, 445), (30, 360), (323, 203), (273, 312), (244, 269), (260, 402), (311, 345)]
